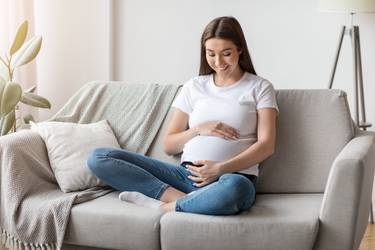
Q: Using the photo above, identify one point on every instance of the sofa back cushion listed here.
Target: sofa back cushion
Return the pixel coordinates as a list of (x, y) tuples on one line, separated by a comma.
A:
[(312, 128)]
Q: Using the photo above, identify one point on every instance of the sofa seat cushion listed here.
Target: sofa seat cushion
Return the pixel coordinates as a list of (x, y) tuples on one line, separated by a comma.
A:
[(276, 221), (107, 222)]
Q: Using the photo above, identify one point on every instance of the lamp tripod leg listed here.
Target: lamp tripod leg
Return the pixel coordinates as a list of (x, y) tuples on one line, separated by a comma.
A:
[(360, 79), (355, 74), (337, 57)]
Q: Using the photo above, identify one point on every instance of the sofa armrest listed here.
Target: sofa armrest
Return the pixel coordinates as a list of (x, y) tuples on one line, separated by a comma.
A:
[(20, 140), (346, 202), (26, 146)]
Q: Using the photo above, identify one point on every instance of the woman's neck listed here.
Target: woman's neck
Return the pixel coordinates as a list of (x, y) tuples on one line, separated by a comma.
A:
[(226, 80)]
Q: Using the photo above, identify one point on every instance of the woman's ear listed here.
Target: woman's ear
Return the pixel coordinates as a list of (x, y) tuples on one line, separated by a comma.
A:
[(239, 51)]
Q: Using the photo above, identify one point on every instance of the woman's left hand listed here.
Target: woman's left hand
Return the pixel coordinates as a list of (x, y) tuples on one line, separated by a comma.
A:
[(208, 172)]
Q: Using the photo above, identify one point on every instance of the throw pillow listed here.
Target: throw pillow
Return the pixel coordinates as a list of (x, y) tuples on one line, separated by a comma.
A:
[(69, 146)]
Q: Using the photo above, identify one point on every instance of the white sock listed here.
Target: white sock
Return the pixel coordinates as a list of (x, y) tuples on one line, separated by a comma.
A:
[(140, 199)]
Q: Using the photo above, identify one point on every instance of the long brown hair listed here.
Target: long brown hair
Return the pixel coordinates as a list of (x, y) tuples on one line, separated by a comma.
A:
[(227, 28)]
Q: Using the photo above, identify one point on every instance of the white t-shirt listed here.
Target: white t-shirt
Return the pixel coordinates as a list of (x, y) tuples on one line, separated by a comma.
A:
[(235, 105)]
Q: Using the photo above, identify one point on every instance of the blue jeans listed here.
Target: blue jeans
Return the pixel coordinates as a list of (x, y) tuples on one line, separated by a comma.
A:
[(128, 171)]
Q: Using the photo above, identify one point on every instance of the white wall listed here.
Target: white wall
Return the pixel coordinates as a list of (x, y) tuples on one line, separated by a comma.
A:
[(291, 43), (75, 47)]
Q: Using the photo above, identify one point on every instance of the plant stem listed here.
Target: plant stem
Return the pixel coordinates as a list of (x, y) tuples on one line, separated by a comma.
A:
[(15, 120), (1, 124), (10, 72), (10, 69), (3, 61)]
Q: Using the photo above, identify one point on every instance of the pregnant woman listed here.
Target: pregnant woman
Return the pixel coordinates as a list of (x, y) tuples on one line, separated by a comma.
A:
[(224, 125)]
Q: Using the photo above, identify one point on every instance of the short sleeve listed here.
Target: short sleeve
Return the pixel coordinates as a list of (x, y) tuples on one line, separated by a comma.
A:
[(266, 96), (183, 100)]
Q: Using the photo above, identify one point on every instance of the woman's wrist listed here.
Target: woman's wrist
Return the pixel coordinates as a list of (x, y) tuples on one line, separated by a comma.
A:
[(196, 131), (221, 168)]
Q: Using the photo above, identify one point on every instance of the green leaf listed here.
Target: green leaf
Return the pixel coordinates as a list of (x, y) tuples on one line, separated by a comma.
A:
[(2, 86), (11, 96), (35, 100), (8, 122), (27, 52), (31, 90), (20, 37)]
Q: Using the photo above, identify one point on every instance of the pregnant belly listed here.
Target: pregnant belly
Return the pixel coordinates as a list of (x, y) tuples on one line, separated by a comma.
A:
[(214, 148)]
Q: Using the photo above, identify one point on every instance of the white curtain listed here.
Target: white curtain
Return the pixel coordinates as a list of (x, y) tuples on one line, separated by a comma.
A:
[(12, 14), (75, 49)]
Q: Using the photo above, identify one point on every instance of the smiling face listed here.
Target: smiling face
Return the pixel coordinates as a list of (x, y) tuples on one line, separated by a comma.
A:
[(222, 56)]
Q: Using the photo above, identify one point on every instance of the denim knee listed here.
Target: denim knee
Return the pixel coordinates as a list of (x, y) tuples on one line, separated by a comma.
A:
[(95, 160), (240, 188), (238, 183)]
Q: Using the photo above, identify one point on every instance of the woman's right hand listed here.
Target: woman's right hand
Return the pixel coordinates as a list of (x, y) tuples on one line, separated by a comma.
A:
[(218, 129)]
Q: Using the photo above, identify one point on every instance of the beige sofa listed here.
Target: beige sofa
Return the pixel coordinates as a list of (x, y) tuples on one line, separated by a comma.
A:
[(313, 193)]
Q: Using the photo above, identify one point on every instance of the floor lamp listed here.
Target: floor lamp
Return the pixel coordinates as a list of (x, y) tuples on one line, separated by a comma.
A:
[(352, 7)]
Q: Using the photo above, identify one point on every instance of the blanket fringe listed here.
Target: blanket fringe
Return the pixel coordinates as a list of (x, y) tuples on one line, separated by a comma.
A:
[(12, 243)]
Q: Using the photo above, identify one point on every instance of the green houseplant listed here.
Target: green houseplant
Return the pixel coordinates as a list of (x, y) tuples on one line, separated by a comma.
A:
[(11, 93)]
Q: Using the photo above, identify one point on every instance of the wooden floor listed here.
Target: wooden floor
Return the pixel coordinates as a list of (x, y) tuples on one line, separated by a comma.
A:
[(368, 241)]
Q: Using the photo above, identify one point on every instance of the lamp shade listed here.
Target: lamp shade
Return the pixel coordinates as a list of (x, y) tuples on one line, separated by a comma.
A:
[(350, 6)]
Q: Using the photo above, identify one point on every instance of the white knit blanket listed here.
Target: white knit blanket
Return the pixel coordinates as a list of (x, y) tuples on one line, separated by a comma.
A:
[(34, 212)]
